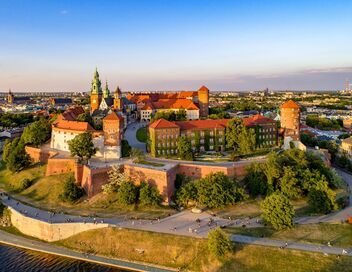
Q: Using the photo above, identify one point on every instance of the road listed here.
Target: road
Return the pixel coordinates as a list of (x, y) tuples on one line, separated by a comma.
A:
[(130, 135), (291, 245), (19, 241)]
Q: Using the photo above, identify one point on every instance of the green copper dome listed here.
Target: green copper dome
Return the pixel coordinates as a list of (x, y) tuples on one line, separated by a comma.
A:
[(106, 92), (96, 84)]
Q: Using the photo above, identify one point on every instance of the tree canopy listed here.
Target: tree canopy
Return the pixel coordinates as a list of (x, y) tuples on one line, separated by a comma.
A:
[(82, 146), (278, 211), (185, 149), (37, 133)]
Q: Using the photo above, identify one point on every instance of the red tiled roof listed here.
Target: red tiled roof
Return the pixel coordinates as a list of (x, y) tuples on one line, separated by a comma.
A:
[(202, 124), (113, 116), (256, 119), (290, 104), (162, 123), (148, 106), (73, 125), (175, 104)]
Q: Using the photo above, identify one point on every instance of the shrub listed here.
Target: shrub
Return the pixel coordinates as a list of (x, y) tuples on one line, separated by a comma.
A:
[(72, 191), (149, 195), (127, 193), (219, 243), (25, 183)]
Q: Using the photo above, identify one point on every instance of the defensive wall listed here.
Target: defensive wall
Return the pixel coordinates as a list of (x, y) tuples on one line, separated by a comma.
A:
[(163, 177), (46, 231)]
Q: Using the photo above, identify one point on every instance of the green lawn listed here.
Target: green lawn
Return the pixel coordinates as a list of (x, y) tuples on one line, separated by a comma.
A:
[(141, 135), (339, 235), (191, 254), (156, 164)]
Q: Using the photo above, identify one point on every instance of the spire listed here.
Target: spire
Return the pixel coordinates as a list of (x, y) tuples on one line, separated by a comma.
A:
[(96, 84), (117, 93), (106, 92)]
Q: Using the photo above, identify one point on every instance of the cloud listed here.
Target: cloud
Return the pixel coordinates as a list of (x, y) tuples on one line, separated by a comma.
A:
[(64, 12)]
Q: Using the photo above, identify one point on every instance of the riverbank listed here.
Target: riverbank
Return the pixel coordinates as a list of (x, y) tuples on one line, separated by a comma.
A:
[(22, 242)]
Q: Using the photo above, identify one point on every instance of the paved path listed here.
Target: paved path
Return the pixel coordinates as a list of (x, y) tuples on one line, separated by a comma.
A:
[(130, 135), (291, 245), (19, 241)]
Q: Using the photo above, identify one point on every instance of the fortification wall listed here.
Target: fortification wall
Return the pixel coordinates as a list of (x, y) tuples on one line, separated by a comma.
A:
[(49, 232), (38, 155), (161, 179), (93, 179), (60, 166)]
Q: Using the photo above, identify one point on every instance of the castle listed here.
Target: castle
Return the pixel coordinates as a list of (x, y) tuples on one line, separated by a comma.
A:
[(108, 117)]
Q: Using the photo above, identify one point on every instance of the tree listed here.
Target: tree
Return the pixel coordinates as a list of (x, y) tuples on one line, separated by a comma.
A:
[(116, 178), (127, 193), (71, 191), (181, 115), (219, 242), (271, 171), (255, 180), (289, 184), (246, 141), (82, 146), (185, 149), (321, 198), (233, 130), (278, 211), (149, 195), (16, 158), (37, 133), (85, 117), (186, 193), (218, 190), (125, 148)]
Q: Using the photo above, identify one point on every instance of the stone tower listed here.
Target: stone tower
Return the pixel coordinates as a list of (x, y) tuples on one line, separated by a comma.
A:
[(118, 103), (95, 92), (203, 100), (290, 119), (106, 92), (113, 129), (10, 97)]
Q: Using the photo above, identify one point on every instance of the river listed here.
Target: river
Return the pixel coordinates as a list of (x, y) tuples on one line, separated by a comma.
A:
[(14, 259)]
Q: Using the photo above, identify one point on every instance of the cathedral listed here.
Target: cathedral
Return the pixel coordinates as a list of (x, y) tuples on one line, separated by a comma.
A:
[(102, 102)]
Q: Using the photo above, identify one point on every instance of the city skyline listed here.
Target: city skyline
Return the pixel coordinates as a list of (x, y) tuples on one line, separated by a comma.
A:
[(165, 45)]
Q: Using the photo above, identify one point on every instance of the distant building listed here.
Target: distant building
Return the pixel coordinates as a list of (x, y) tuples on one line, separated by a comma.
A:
[(290, 119), (12, 99), (61, 102)]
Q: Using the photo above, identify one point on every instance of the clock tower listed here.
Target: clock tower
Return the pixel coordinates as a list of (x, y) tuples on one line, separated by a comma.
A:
[(95, 92)]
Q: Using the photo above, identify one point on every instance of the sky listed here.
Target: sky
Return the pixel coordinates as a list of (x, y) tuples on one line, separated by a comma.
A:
[(175, 44)]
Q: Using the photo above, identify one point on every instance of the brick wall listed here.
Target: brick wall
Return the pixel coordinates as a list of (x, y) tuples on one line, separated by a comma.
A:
[(93, 179), (38, 155), (60, 166)]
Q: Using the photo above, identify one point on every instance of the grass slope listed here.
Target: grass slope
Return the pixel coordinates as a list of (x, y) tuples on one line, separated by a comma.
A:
[(191, 254), (45, 191), (339, 235)]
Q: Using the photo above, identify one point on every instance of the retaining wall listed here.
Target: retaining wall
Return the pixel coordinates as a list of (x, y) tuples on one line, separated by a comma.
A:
[(49, 232)]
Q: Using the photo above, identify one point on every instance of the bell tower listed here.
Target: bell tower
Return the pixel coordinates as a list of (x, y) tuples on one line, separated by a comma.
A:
[(118, 103), (95, 92), (10, 97)]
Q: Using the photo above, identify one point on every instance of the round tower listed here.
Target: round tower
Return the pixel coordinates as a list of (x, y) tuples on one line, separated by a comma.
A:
[(290, 119)]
